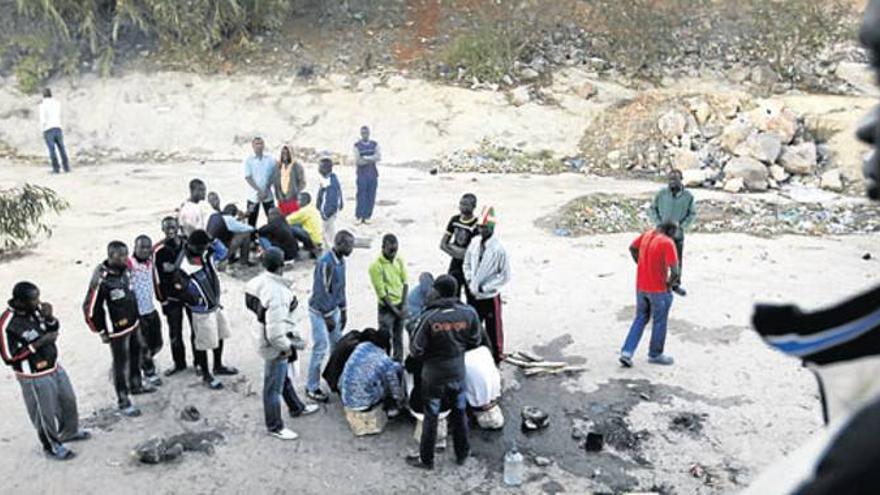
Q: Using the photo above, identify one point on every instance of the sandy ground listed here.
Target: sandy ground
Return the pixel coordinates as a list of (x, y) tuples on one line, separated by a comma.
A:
[(759, 405), (570, 298)]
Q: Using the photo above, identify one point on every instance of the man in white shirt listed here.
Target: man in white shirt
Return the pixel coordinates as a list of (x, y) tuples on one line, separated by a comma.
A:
[(50, 123), (259, 173)]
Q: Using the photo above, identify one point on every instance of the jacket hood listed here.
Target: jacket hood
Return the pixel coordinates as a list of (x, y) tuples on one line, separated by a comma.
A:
[(289, 149), (443, 302)]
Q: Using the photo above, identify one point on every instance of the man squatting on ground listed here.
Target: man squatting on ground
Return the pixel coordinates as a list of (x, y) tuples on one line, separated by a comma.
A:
[(28, 331)]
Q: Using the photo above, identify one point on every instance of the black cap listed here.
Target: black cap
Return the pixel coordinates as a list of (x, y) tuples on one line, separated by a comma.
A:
[(273, 259), (446, 286), (24, 291)]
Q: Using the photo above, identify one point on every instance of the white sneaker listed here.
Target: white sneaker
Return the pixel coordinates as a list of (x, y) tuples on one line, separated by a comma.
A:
[(284, 434), (310, 409)]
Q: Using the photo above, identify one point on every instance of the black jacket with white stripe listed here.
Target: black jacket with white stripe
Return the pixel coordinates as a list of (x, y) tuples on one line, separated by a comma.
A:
[(19, 333)]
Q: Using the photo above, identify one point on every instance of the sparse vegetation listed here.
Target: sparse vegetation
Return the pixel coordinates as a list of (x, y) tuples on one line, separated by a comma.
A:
[(57, 35), (488, 52), (23, 213)]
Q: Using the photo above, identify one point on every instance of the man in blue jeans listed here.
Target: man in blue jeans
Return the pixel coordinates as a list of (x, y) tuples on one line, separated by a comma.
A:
[(327, 311), (446, 330), (50, 123), (658, 271)]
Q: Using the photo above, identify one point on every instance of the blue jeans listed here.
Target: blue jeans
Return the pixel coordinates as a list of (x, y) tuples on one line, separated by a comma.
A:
[(221, 252), (322, 342), (649, 306), (264, 243), (55, 138), (274, 375), (366, 195), (450, 394)]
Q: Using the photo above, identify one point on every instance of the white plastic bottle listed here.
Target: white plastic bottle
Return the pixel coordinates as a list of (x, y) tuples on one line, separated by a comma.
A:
[(514, 469)]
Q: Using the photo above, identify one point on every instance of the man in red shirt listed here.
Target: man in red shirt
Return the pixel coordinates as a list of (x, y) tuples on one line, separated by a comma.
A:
[(658, 271)]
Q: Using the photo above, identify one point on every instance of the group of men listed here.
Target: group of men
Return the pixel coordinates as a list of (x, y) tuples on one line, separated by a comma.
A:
[(445, 319)]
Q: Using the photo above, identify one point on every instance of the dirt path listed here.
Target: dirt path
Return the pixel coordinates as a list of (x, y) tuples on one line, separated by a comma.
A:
[(569, 298)]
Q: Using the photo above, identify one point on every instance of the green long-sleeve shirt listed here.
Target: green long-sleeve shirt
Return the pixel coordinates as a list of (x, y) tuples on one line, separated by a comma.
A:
[(679, 208), (388, 279)]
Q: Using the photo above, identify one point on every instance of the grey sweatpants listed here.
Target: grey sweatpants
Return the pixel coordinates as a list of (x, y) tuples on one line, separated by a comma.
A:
[(51, 405), (329, 232)]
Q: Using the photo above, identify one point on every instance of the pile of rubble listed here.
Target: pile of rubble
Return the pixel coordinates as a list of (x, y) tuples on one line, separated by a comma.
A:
[(493, 158), (717, 141), (605, 214)]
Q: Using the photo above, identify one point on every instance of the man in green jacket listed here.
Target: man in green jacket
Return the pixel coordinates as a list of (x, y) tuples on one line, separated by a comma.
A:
[(675, 204), (388, 275)]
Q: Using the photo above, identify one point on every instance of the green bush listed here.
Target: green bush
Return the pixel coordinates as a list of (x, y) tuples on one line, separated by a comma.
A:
[(488, 53), (23, 213), (93, 29)]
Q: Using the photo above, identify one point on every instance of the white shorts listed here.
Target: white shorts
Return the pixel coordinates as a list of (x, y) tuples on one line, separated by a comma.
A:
[(209, 329)]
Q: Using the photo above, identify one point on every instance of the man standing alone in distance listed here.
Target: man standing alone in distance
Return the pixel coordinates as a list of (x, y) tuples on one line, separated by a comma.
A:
[(674, 204)]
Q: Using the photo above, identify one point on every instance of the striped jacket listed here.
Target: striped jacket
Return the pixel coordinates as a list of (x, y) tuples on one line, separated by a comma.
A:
[(369, 377), (18, 333), (111, 294)]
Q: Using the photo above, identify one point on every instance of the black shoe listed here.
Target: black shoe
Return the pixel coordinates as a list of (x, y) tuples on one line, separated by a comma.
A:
[(225, 371), (317, 395), (143, 389), (213, 384), (175, 370), (61, 453), (80, 436), (679, 290), (461, 460), (417, 463)]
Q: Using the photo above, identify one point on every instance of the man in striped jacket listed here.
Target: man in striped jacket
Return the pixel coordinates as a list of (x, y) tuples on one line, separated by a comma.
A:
[(28, 331), (111, 294)]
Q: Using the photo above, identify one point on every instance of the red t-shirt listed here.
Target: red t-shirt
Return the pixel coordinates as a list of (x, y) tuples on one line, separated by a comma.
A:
[(656, 255)]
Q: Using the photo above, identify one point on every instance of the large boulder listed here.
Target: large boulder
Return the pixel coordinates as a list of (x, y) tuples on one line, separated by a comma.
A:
[(753, 173), (799, 159), (520, 96), (734, 185), (831, 180), (760, 146), (696, 176), (672, 124), (734, 134), (684, 159), (773, 116), (700, 109)]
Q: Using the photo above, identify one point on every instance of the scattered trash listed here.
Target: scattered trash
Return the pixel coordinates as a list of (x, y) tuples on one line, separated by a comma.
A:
[(542, 461), (191, 414), (866, 256), (688, 422), (157, 450), (535, 365), (562, 232), (514, 472), (534, 419), (703, 474), (594, 442), (605, 275)]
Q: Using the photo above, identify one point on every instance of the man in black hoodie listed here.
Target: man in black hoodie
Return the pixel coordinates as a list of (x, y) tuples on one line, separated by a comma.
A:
[(170, 288), (111, 294), (28, 331), (443, 333)]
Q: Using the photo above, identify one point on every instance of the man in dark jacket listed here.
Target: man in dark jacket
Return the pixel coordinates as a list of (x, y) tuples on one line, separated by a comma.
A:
[(170, 289), (277, 233), (111, 294), (444, 332), (28, 331)]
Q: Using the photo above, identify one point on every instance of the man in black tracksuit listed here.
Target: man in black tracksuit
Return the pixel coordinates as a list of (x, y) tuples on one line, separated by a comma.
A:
[(28, 331), (446, 329), (111, 294), (171, 289)]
